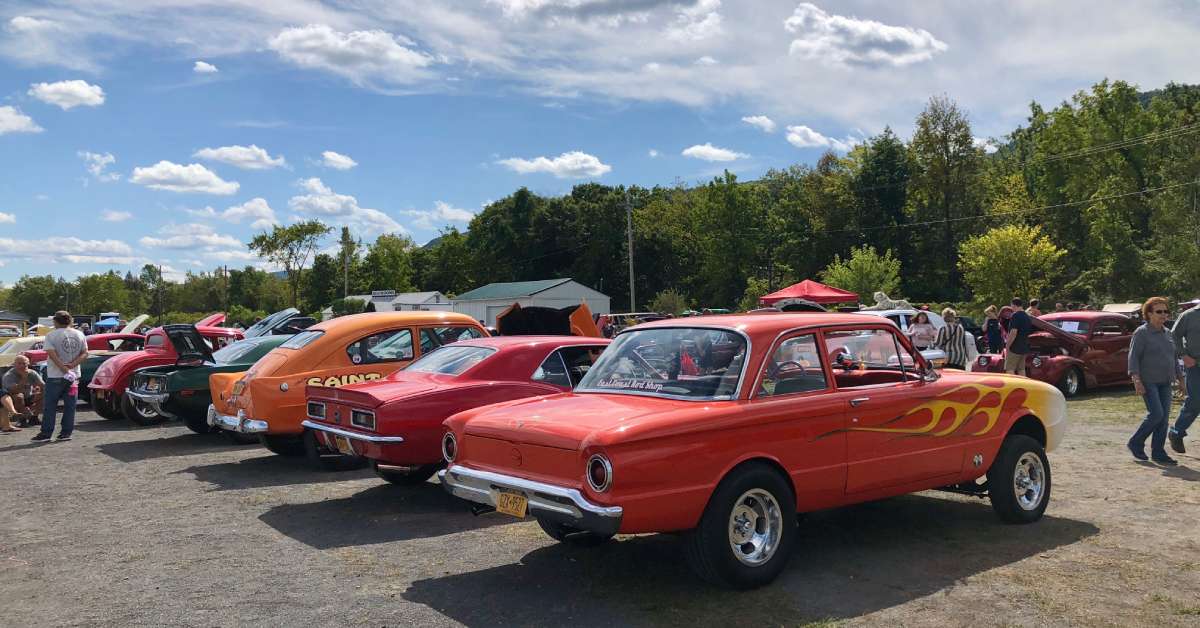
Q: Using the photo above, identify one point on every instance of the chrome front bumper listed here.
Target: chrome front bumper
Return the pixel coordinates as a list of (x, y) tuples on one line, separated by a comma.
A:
[(239, 423), (366, 438), (546, 501), (154, 400)]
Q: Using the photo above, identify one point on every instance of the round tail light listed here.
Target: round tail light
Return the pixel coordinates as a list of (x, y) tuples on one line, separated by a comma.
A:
[(599, 473), (449, 447)]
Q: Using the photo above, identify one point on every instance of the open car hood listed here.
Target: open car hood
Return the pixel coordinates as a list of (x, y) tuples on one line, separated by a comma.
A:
[(575, 320), (212, 320), (132, 326), (287, 322), (1067, 338), (188, 343)]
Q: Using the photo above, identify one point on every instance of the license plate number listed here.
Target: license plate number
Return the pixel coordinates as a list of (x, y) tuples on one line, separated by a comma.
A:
[(343, 445), (512, 504)]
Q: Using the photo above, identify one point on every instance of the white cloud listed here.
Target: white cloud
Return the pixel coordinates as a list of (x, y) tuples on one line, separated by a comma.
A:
[(13, 121), (97, 163), (39, 41), (337, 161), (801, 136), (653, 153), (764, 124), (202, 67), (7, 218), (255, 210), (442, 214), (571, 165), (192, 235), (706, 60), (74, 250), (708, 152), (245, 157), (697, 22), (68, 94), (322, 202), (109, 215), (986, 144), (366, 58), (174, 177), (841, 40)]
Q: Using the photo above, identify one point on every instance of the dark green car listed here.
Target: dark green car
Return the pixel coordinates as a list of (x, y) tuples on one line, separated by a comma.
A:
[(181, 390)]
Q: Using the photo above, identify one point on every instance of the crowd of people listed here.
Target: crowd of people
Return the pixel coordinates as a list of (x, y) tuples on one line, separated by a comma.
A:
[(25, 392)]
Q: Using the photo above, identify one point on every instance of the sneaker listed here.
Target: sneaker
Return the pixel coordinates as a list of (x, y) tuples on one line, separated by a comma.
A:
[(1137, 453), (63, 437), (1165, 460), (40, 438), (1176, 443)]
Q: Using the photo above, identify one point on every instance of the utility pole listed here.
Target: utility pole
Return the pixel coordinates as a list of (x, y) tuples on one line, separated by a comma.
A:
[(345, 273), (629, 236)]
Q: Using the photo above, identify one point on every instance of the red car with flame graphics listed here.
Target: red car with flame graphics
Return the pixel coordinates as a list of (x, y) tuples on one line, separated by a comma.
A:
[(396, 422), (724, 428), (1074, 351)]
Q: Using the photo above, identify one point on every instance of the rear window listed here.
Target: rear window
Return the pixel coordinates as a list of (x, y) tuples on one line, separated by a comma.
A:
[(302, 339), (451, 360), (234, 352)]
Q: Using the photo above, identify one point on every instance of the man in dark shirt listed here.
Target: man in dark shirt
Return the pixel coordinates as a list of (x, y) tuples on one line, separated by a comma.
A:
[(1016, 345), (1186, 335)]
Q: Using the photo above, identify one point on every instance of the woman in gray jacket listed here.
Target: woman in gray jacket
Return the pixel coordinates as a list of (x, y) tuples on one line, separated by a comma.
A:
[(1152, 368)]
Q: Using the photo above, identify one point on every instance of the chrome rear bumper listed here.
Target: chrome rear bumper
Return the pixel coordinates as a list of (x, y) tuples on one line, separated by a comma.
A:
[(546, 501), (368, 438), (238, 423)]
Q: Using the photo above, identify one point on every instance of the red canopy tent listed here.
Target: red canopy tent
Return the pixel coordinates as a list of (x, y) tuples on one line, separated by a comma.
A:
[(814, 291)]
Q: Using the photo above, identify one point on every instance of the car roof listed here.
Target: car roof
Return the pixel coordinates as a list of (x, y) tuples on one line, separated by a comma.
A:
[(1082, 315), (766, 323), (355, 324), (507, 342)]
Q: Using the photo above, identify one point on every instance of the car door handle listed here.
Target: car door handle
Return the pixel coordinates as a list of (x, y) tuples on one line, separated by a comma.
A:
[(858, 401)]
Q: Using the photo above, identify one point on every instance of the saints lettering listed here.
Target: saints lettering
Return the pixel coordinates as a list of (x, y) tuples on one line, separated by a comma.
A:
[(333, 381)]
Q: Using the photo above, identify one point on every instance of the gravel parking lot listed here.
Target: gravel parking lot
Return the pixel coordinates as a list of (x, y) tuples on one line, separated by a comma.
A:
[(157, 526)]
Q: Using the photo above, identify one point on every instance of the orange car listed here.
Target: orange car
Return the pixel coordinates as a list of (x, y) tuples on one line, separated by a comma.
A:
[(268, 399)]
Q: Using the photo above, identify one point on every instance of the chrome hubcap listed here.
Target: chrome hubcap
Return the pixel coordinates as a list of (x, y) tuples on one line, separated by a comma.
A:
[(755, 527), (143, 409), (1029, 481), (1072, 382)]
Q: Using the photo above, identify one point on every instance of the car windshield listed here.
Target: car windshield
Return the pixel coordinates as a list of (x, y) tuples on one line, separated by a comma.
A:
[(302, 339), (1070, 326), (688, 363), (451, 360)]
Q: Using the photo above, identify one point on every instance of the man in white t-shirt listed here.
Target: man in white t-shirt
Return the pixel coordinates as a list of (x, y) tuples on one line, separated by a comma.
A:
[(66, 349)]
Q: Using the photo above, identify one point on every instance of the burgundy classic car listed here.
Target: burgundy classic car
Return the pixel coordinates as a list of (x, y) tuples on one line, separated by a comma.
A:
[(396, 422), (776, 415), (1074, 350)]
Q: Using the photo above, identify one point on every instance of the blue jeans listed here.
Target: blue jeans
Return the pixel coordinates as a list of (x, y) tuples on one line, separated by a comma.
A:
[(1191, 405), (58, 389), (1158, 405)]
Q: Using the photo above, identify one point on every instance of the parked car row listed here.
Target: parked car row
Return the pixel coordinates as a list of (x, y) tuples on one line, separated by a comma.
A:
[(721, 428)]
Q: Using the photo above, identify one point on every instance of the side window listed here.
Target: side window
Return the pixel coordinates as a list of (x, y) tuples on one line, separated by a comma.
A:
[(553, 371), (795, 367), (900, 320), (156, 341), (579, 360), (868, 357), (388, 346), (434, 337)]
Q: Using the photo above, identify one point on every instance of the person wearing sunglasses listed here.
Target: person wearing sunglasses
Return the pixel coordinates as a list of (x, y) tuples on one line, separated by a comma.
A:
[(1152, 368)]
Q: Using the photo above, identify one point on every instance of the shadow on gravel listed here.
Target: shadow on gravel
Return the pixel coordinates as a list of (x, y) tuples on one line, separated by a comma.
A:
[(22, 441), (179, 445), (847, 563), (1183, 473), (267, 470), (380, 514)]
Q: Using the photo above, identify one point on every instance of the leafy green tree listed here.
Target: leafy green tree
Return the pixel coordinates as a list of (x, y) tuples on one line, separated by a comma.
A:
[(342, 307), (864, 272), (101, 293), (755, 289), (389, 262), (669, 301), (323, 282), (290, 247), (880, 189), (444, 264), (1008, 261), (38, 296)]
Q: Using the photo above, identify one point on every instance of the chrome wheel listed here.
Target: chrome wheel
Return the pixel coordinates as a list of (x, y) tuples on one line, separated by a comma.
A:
[(144, 410), (1071, 382), (1029, 481), (755, 527)]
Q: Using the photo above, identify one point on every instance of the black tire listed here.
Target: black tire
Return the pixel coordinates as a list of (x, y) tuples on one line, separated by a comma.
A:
[(1003, 479), (104, 407), (290, 446), (1071, 382), (416, 477), (138, 412), (566, 534), (238, 438), (321, 458), (708, 549), (198, 423)]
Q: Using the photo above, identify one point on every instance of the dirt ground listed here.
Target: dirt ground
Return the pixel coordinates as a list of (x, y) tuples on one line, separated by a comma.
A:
[(128, 526)]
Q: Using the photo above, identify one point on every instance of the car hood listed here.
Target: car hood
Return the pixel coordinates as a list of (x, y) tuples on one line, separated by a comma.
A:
[(108, 373), (188, 343), (572, 421), (376, 393), (132, 326), (1066, 338)]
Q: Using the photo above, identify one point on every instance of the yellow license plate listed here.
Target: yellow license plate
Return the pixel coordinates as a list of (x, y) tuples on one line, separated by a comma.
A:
[(512, 504), (238, 386), (152, 385), (343, 445)]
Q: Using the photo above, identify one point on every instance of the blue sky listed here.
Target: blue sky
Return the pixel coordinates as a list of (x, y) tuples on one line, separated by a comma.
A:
[(137, 132)]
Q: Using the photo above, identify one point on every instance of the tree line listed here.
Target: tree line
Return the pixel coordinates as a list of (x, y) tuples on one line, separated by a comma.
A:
[(1093, 200)]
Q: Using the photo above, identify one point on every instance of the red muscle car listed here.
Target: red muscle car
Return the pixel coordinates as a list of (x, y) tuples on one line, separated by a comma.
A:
[(1074, 351), (108, 385), (396, 422), (723, 428)]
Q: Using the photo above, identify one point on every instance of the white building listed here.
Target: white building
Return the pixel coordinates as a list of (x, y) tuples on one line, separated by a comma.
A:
[(484, 303), (392, 301)]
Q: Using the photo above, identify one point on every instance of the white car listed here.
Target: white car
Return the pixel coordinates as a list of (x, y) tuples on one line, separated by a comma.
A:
[(937, 357)]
